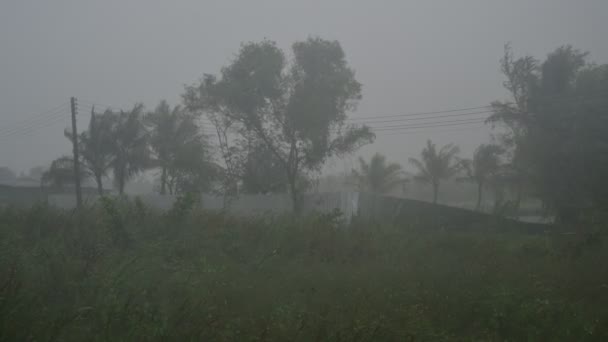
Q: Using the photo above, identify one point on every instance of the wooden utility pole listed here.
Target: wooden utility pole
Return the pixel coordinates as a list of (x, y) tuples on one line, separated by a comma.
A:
[(76, 157)]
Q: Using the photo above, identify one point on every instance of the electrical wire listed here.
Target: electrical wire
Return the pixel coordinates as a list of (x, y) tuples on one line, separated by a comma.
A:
[(35, 117), (434, 124), (427, 130), (33, 128), (59, 116), (418, 114), (427, 118)]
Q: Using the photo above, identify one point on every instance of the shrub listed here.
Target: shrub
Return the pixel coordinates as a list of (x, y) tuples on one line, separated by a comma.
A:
[(132, 273)]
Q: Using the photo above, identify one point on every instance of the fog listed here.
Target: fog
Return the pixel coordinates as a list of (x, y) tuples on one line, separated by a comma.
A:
[(410, 56), (310, 170)]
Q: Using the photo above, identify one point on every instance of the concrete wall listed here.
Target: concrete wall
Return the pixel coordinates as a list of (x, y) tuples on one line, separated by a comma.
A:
[(347, 203), (419, 214), (363, 206)]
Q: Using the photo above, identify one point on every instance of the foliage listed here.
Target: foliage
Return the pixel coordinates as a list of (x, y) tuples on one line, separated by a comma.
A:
[(485, 167), (178, 149), (434, 166), (297, 111), (130, 152), (262, 171), (61, 173), (220, 278), (95, 146), (377, 176), (558, 126)]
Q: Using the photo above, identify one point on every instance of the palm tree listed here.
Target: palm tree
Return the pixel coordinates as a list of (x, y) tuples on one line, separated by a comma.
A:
[(130, 153), (377, 176), (483, 167), (95, 146), (178, 148), (435, 166)]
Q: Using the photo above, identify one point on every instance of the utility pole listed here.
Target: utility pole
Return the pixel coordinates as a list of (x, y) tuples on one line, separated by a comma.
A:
[(76, 158)]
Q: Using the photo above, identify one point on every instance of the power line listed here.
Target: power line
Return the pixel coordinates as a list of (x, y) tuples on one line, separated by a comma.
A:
[(427, 130), (426, 123), (418, 114), (33, 128), (435, 124), (427, 118), (33, 118), (34, 124)]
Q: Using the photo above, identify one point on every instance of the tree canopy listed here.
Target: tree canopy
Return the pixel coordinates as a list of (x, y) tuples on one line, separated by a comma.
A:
[(178, 149), (435, 166), (557, 120), (296, 110), (377, 176), (484, 166)]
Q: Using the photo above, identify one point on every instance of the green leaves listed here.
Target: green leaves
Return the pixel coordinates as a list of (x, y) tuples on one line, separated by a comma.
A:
[(297, 111), (434, 165), (377, 176), (557, 121), (179, 149), (130, 148)]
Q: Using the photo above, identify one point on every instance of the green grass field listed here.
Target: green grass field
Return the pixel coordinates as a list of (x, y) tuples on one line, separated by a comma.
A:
[(123, 272)]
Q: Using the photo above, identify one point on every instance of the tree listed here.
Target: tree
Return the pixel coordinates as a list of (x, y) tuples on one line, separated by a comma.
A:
[(378, 176), (61, 173), (178, 149), (262, 171), (201, 99), (483, 167), (130, 152), (297, 111), (435, 166), (97, 146), (522, 76), (563, 142)]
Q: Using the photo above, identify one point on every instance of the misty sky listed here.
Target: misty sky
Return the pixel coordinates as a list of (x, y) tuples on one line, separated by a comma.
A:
[(411, 56)]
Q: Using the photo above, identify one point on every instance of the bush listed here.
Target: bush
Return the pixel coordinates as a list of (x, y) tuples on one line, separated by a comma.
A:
[(125, 272)]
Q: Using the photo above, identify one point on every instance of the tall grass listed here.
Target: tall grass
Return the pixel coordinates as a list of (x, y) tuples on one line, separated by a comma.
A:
[(124, 272)]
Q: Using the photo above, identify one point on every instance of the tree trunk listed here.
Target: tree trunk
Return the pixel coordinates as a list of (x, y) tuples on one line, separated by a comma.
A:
[(99, 181), (435, 192), (518, 195), (163, 181), (121, 184), (294, 193), (479, 195)]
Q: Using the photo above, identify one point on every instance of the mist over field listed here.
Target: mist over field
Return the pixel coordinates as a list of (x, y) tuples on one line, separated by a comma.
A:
[(303, 170)]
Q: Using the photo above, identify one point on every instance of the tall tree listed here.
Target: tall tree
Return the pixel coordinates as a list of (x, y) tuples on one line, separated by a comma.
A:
[(522, 76), (202, 99), (435, 166), (96, 146), (483, 167), (178, 149), (378, 176), (297, 111), (130, 152), (563, 145)]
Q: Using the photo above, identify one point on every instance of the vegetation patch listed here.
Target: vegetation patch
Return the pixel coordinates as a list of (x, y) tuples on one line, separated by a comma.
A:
[(122, 271)]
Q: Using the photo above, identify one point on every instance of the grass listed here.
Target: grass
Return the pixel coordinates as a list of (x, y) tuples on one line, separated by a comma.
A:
[(130, 273)]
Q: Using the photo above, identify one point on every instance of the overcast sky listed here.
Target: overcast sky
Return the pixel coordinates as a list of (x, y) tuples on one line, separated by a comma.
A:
[(411, 56)]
